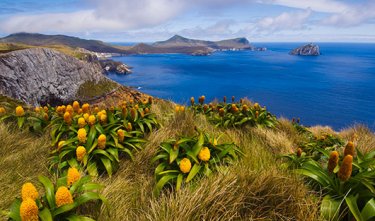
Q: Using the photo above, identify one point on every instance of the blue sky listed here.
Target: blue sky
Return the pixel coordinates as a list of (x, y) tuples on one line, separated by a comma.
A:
[(151, 20)]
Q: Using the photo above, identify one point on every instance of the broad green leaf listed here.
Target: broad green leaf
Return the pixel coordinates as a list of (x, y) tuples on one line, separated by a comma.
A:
[(368, 211), (50, 190), (88, 196), (45, 215), (107, 164), (351, 201), (64, 209), (194, 171), (179, 181), (173, 154), (198, 146), (15, 210), (78, 218), (161, 183), (330, 208)]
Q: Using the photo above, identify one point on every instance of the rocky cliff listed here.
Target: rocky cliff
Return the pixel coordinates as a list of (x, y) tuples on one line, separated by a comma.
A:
[(306, 50), (41, 75)]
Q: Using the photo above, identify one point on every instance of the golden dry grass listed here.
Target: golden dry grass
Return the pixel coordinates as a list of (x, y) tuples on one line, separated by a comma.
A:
[(23, 157)]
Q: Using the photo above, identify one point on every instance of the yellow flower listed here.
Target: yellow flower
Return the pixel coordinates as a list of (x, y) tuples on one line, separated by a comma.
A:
[(68, 118), (150, 100), (29, 191), (256, 106), (29, 210), (45, 108), (103, 118), (76, 106), (2, 111), (147, 110), (37, 109), (121, 135), (245, 108), (63, 108), (221, 112), (185, 165), (201, 99), (333, 161), (204, 154), (80, 153), (133, 113), (129, 127), (192, 101), (86, 117), (82, 135), (92, 120), (60, 145), (256, 114), (81, 122), (20, 111), (63, 196), (46, 117), (73, 176), (96, 109), (101, 141), (349, 149), (70, 109), (85, 108), (346, 168)]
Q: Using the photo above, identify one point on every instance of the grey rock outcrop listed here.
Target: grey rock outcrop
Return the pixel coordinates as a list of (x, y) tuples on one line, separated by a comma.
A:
[(40, 75), (306, 50)]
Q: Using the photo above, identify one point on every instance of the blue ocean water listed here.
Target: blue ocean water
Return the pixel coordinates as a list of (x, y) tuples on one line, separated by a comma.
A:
[(336, 88)]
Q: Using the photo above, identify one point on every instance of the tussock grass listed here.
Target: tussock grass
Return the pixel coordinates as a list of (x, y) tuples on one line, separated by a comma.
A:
[(254, 188), (366, 138), (23, 157)]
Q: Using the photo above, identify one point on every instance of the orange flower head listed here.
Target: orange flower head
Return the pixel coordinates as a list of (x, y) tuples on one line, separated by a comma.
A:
[(349, 149), (20, 111), (345, 171), (333, 161), (85, 108)]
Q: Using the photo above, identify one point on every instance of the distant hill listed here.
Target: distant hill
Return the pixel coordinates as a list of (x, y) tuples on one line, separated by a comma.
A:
[(176, 44), (179, 41), (74, 42)]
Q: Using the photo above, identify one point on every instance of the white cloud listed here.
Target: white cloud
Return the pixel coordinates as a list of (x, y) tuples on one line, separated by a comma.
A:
[(352, 17), (114, 15), (284, 21), (329, 6)]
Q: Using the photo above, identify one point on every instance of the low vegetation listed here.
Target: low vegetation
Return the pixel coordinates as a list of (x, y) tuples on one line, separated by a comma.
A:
[(9, 47), (154, 160)]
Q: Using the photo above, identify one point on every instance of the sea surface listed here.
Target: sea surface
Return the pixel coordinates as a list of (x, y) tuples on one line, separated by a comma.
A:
[(335, 89)]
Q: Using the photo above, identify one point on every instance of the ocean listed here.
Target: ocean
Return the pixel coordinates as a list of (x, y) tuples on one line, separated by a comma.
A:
[(335, 89)]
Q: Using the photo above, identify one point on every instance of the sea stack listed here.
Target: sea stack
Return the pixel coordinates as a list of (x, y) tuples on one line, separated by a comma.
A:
[(306, 50)]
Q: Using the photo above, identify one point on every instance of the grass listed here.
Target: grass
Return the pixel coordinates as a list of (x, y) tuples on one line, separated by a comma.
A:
[(91, 90), (9, 47), (254, 188)]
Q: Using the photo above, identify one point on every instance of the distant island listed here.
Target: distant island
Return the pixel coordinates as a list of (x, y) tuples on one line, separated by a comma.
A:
[(306, 50), (176, 44)]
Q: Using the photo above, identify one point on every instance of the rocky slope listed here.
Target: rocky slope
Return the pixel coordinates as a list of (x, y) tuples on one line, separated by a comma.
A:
[(306, 50), (41, 75)]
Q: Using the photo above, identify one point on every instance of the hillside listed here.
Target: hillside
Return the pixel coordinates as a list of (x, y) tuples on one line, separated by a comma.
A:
[(74, 42), (179, 41), (258, 185)]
